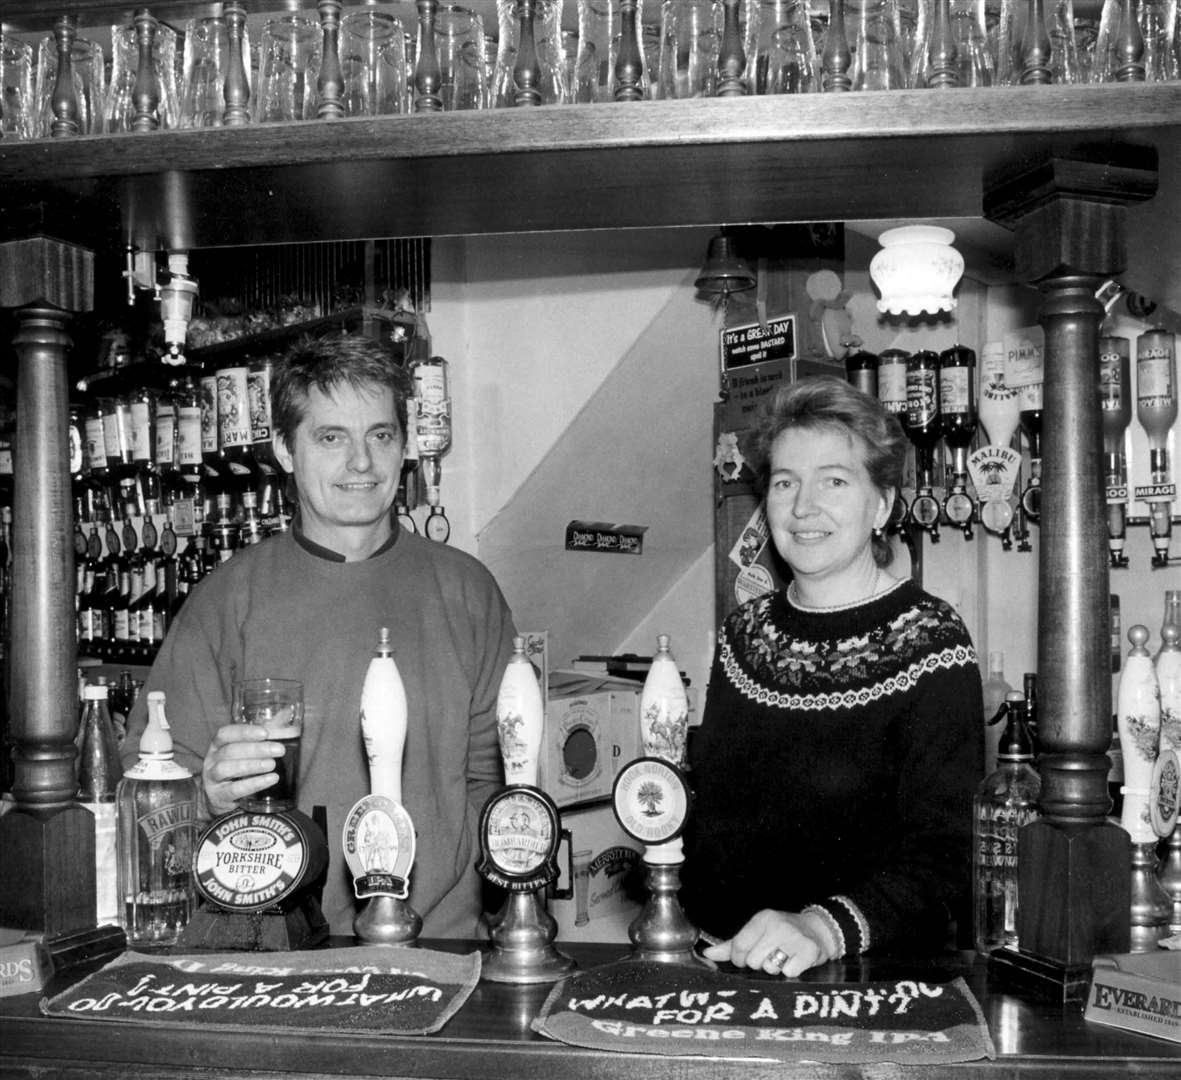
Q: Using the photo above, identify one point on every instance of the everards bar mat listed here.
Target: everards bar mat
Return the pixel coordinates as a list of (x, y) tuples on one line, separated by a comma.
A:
[(388, 991), (653, 1008)]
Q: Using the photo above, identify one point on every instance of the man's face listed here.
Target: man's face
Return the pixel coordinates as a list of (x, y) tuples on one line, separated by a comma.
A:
[(346, 456)]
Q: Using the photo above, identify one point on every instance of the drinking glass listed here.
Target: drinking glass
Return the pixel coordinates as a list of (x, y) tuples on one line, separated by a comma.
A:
[(690, 38), (547, 41), (86, 63), (288, 68), (872, 27), (16, 89), (459, 45), (781, 54), (1065, 66), (206, 56), (1156, 27), (599, 30), (277, 706), (119, 114), (373, 62), (975, 62)]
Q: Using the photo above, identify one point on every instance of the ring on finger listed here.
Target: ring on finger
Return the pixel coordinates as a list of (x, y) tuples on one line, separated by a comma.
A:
[(777, 959)]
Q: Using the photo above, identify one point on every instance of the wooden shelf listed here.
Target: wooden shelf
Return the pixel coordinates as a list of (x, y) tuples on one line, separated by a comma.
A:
[(905, 154)]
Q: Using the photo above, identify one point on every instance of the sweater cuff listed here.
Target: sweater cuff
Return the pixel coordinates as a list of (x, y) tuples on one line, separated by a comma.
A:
[(847, 922)]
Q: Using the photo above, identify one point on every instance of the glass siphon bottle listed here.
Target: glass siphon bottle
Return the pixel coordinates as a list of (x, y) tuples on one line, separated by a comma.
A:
[(1004, 802), (157, 822)]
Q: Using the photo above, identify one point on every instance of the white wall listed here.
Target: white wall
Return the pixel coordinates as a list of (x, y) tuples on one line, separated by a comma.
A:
[(584, 375)]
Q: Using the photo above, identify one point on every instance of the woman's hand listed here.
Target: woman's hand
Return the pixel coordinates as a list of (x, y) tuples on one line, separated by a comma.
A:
[(778, 942), (239, 762)]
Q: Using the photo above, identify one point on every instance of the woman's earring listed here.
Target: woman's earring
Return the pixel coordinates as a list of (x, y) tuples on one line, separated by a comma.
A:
[(878, 532)]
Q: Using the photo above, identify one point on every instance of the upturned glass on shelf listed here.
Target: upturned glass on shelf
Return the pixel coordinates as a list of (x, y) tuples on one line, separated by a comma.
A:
[(781, 55), (1036, 43)]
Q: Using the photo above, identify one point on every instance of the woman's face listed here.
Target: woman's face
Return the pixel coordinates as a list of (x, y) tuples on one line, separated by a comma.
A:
[(822, 506)]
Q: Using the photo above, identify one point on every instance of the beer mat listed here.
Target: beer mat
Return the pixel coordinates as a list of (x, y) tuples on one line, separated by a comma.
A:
[(651, 1008), (381, 991)]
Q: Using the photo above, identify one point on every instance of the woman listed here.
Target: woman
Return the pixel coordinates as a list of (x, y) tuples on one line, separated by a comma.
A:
[(842, 735)]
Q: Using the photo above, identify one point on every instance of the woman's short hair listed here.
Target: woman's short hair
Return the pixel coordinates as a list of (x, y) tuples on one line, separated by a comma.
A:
[(816, 402), (326, 363)]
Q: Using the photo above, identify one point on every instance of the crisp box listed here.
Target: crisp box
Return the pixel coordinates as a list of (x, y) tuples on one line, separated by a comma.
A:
[(592, 729)]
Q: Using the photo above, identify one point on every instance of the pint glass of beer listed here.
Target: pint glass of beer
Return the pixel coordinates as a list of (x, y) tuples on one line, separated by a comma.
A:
[(277, 705)]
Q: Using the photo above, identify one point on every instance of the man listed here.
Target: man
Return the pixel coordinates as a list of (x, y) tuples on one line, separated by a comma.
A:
[(309, 604)]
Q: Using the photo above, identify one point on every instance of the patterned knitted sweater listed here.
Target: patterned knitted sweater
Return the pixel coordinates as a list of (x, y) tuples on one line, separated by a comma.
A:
[(835, 767)]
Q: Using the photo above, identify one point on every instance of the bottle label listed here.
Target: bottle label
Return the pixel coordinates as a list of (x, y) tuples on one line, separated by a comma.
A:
[(189, 435), (1154, 379), (955, 395), (922, 402), (1111, 380), (95, 445), (165, 437), (208, 414), (160, 822), (76, 457), (233, 408), (259, 388), (997, 829), (892, 386), (141, 431), (117, 433)]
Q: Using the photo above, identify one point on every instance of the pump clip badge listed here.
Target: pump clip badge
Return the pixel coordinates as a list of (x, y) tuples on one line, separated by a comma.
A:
[(519, 838), (378, 841)]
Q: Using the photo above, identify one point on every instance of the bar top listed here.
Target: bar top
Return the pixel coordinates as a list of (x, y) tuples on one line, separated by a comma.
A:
[(490, 1037)]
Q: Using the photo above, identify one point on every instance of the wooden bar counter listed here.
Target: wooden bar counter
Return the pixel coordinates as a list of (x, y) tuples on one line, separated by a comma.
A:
[(490, 1037)]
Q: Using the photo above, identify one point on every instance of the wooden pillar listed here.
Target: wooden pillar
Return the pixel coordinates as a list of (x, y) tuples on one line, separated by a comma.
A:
[(48, 840), (1074, 865)]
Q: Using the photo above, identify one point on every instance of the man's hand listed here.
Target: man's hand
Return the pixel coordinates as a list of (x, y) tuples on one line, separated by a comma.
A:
[(778, 941), (240, 762)]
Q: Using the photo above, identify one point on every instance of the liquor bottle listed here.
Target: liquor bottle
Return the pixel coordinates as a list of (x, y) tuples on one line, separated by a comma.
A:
[(258, 386), (234, 433), (957, 423), (432, 404), (1156, 410), (250, 529), (119, 700), (384, 720), (1115, 396), (1032, 712), (1138, 714), (95, 444), (223, 527), (117, 438), (142, 409), (189, 509), (664, 707), (166, 439), (520, 717), (274, 509), (861, 369), (923, 429), (212, 471), (98, 780), (89, 619), (144, 610), (996, 693), (1006, 800), (1031, 425), (157, 821)]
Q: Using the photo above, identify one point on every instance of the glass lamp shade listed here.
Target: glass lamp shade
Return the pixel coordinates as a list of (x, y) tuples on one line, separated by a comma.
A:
[(916, 270)]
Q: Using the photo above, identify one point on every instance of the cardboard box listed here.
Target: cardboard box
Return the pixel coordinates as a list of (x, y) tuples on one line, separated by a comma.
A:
[(602, 872), (1138, 992), (592, 729)]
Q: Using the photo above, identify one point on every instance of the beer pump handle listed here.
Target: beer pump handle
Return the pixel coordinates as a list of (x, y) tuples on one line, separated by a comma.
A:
[(383, 721), (664, 707), (519, 717)]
